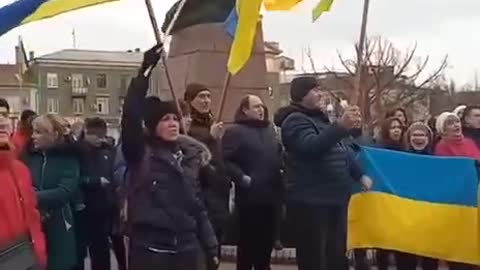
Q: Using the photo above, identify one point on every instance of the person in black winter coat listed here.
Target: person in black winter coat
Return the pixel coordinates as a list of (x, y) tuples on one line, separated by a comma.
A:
[(100, 198), (253, 160), (320, 175), (168, 226), (214, 184)]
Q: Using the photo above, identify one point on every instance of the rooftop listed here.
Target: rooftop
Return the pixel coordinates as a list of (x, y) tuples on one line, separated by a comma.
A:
[(106, 57), (8, 74), (272, 47)]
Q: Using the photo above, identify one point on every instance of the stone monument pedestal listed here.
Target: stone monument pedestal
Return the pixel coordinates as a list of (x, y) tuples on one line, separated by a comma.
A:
[(199, 54)]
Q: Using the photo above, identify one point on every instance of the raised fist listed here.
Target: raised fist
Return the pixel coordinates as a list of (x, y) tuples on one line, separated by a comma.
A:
[(351, 118)]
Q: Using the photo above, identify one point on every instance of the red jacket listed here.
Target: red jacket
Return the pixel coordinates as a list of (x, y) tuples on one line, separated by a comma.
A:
[(12, 221), (461, 147)]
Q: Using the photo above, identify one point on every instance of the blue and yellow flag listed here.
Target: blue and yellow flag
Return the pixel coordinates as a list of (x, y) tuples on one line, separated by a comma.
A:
[(25, 11), (419, 204), (231, 23), (244, 26)]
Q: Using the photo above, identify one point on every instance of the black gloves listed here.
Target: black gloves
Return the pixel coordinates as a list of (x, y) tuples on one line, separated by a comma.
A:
[(150, 59)]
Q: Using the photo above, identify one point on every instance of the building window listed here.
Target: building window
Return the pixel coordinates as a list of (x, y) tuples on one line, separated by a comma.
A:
[(121, 101), (78, 105), (124, 80), (101, 80), (52, 105), (77, 81), (52, 80), (102, 105)]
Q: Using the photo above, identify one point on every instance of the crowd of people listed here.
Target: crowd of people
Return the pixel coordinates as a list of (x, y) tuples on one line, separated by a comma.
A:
[(71, 191)]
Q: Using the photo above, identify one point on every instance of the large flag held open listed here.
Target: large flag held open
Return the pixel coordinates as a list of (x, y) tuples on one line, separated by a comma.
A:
[(25, 11), (419, 204)]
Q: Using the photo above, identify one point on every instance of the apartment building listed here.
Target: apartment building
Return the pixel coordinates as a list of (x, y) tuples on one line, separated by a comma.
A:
[(84, 83)]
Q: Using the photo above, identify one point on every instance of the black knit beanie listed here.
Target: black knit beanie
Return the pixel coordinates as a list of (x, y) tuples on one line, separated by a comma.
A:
[(155, 110), (300, 87), (192, 91)]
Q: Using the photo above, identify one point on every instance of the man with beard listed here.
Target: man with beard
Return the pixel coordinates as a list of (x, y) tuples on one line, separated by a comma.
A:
[(213, 181), (320, 175), (253, 160), (20, 224)]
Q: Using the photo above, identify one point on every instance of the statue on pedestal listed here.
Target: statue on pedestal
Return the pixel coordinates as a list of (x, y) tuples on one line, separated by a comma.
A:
[(199, 51)]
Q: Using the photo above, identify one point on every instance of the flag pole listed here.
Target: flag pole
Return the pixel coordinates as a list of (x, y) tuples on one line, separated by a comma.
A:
[(223, 96), (360, 60), (158, 38)]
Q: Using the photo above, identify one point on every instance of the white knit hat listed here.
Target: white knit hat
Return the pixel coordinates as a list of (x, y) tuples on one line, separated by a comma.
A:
[(440, 123), (459, 110)]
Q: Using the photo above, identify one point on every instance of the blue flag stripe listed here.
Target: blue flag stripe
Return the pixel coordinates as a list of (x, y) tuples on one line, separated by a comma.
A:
[(442, 180), (231, 22), (13, 14)]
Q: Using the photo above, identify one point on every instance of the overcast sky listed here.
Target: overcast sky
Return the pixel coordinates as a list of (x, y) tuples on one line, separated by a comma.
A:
[(439, 26)]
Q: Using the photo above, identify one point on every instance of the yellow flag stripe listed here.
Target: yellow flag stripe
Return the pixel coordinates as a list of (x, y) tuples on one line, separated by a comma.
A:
[(56, 7), (244, 39), (273, 5)]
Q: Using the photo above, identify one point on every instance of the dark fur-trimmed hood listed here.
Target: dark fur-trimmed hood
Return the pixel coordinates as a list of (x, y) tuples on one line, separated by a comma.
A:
[(194, 150)]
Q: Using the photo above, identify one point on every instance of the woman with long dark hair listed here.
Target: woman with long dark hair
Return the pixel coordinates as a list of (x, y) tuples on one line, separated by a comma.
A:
[(391, 134), (400, 114), (391, 138)]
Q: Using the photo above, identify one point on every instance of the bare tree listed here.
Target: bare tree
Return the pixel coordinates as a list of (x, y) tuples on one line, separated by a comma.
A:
[(390, 78)]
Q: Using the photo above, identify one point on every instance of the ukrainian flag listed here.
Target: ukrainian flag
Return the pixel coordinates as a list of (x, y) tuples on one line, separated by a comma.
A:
[(419, 204), (242, 25), (25, 11)]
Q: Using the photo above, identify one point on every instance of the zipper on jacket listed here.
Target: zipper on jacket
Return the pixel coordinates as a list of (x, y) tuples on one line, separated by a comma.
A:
[(44, 164)]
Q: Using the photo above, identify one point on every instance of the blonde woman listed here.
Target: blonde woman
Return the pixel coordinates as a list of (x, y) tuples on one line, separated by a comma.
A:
[(55, 175)]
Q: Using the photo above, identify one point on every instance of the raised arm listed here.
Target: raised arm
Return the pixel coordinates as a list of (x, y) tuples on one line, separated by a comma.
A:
[(133, 109)]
